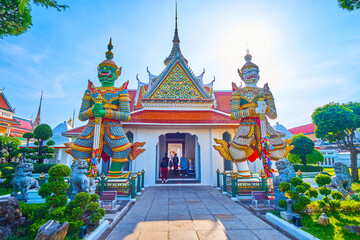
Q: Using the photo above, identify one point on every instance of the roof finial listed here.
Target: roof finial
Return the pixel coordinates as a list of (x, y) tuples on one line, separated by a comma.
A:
[(109, 55), (175, 14)]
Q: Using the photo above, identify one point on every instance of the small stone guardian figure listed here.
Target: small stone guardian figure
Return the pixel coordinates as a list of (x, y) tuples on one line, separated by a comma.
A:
[(80, 182), (251, 105), (24, 181)]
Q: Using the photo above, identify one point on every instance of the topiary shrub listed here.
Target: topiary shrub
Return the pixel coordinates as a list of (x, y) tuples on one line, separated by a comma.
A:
[(322, 180), (296, 191), (308, 168), (8, 174), (55, 189), (42, 168), (84, 209)]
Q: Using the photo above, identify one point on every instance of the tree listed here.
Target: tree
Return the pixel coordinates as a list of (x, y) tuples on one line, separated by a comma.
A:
[(312, 158), (303, 146), (42, 133), (15, 17), (9, 147), (337, 123), (349, 5)]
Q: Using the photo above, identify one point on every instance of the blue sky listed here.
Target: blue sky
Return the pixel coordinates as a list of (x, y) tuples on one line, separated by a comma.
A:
[(308, 51)]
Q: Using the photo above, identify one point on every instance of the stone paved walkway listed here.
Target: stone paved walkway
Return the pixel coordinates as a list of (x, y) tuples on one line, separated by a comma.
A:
[(171, 212)]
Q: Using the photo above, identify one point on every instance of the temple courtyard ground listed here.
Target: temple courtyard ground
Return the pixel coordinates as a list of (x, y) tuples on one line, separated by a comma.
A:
[(190, 212)]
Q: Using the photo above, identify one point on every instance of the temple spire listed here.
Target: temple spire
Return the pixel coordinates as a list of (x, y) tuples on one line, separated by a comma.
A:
[(175, 51), (38, 120)]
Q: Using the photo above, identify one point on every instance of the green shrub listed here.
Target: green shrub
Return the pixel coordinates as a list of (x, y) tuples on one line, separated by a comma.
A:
[(296, 181), (322, 179), (312, 192), (282, 203), (42, 168), (8, 174), (308, 168), (350, 207), (337, 195), (291, 194), (307, 186), (300, 189), (285, 186)]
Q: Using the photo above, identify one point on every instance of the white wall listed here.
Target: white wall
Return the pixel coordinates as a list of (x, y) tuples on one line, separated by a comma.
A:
[(209, 157)]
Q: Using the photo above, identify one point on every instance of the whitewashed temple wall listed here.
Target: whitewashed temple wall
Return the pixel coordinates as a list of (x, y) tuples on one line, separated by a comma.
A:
[(210, 159)]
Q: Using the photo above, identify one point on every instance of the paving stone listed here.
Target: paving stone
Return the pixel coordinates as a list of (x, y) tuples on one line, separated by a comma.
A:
[(190, 213), (183, 235), (270, 235), (179, 217), (153, 226), (232, 225), (211, 235), (253, 222), (181, 225), (153, 236), (207, 225), (241, 234), (202, 217)]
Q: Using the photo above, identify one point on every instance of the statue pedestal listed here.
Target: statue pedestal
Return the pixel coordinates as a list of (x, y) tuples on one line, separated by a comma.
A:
[(287, 216)]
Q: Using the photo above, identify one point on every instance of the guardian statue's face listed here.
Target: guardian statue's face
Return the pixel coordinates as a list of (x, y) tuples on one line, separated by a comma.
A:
[(250, 75), (107, 74)]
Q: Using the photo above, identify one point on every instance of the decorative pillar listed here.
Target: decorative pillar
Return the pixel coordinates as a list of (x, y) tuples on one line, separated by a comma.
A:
[(138, 189), (218, 179), (102, 183), (233, 187), (142, 179), (42, 179), (263, 181), (224, 182), (132, 186)]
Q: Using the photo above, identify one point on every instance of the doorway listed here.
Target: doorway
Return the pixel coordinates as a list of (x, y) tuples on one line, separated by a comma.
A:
[(179, 144)]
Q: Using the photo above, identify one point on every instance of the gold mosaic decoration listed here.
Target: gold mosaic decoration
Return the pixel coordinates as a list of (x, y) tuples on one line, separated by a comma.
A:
[(177, 85)]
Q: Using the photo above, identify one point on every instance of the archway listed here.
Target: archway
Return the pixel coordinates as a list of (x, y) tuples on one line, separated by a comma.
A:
[(179, 144)]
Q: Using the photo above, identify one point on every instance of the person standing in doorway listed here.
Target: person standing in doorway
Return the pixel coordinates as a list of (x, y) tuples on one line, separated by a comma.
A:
[(183, 165), (175, 162), (164, 168)]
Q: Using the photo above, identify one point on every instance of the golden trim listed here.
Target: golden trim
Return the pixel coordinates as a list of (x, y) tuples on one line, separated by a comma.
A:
[(243, 171), (117, 160), (115, 171), (122, 148), (75, 147)]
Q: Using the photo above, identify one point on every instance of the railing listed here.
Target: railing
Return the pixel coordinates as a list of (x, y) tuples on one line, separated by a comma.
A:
[(128, 186), (233, 184)]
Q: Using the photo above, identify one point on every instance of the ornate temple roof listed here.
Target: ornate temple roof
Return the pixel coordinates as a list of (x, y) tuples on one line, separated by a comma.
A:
[(4, 103), (175, 84)]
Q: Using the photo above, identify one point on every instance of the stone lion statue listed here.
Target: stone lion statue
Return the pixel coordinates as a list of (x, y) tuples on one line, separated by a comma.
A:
[(80, 182), (286, 173), (24, 181), (342, 179)]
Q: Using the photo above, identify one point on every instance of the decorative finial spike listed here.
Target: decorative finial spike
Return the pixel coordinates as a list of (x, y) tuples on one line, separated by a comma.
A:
[(175, 14), (248, 56), (109, 55)]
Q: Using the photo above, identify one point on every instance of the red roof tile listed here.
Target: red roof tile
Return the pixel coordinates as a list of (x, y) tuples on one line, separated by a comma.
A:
[(305, 129), (24, 123), (223, 100)]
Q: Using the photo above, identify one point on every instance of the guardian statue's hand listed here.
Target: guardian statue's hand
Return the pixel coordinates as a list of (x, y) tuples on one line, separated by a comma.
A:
[(98, 110), (261, 108)]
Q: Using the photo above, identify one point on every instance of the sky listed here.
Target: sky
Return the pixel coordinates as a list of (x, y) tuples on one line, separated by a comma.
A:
[(307, 51)]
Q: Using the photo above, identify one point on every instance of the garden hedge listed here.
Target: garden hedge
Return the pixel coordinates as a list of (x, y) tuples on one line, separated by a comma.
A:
[(308, 168)]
